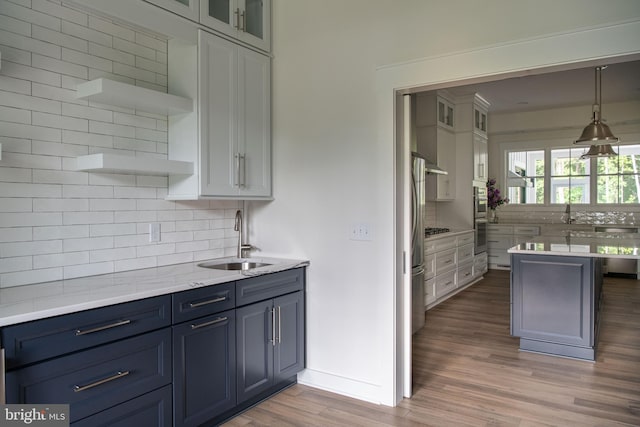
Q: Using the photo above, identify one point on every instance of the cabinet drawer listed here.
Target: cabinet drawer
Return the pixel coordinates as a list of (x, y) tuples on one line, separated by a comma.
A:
[(465, 239), (269, 286), (465, 273), (41, 339), (465, 253), (98, 378), (499, 242), (445, 243), (151, 409), (499, 229), (200, 302), (445, 261), (445, 284), (501, 259), (429, 246), (429, 266), (527, 231), (429, 291)]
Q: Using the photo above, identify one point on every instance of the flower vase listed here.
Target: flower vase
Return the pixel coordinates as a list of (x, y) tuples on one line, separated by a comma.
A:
[(492, 216)]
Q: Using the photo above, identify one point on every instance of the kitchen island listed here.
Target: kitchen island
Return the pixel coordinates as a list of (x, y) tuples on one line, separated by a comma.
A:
[(556, 290)]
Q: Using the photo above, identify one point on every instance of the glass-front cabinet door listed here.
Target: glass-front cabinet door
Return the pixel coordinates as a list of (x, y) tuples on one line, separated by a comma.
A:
[(245, 20), (188, 8)]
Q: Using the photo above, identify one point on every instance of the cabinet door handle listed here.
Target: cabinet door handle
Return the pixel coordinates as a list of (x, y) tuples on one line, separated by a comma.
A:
[(237, 183), (212, 322), (3, 390), (242, 171), (211, 301), (236, 14), (279, 326), (119, 374), (273, 326), (102, 328), (243, 20)]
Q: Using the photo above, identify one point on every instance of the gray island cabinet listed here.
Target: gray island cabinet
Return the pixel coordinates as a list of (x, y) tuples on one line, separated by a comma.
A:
[(555, 302), (556, 290), (189, 358)]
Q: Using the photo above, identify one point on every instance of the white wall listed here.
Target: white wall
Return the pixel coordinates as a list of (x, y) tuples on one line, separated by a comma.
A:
[(56, 223), (334, 150)]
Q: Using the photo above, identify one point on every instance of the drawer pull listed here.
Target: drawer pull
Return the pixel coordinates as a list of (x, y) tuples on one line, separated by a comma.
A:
[(119, 374), (448, 283), (102, 328), (449, 261), (211, 301), (212, 322)]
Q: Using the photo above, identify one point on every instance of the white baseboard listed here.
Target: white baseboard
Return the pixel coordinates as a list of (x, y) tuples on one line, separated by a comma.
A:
[(340, 385)]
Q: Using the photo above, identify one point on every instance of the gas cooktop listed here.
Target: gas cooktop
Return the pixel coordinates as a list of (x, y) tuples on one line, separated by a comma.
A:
[(430, 231)]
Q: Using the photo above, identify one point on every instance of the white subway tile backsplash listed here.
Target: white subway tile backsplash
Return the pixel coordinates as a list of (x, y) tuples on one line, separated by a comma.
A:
[(15, 115), (106, 26), (22, 263), (87, 34), (56, 222), (87, 60), (15, 25), (60, 177), (87, 244), (18, 100), (11, 84), (32, 74), (73, 271), (60, 232), (28, 44), (59, 66), (60, 205), (14, 249), (16, 234), (28, 15), (58, 38), (60, 260), (10, 189), (30, 276), (16, 204)]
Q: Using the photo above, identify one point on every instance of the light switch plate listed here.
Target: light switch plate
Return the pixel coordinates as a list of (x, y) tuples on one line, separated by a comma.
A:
[(361, 231), (154, 232)]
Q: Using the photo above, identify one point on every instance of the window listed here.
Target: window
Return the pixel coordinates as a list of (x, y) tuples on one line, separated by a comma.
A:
[(525, 177), (619, 177), (559, 176), (570, 176)]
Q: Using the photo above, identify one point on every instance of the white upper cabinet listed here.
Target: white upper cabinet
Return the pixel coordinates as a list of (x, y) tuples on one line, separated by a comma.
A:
[(480, 156), (230, 137), (246, 20), (190, 9), (446, 113)]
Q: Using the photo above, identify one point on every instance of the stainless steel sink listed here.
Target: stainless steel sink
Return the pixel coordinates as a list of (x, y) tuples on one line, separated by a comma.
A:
[(233, 265)]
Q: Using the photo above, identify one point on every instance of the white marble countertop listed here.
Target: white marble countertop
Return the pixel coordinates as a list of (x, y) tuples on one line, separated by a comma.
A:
[(584, 244), (32, 302)]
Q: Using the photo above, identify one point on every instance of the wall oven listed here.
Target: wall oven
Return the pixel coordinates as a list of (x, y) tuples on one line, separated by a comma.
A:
[(480, 218)]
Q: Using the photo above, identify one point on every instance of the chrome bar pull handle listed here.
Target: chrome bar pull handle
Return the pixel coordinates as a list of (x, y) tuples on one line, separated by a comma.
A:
[(243, 174), (279, 326), (236, 14), (207, 302), (273, 326), (80, 332), (237, 174), (212, 322), (119, 374), (243, 19), (3, 389)]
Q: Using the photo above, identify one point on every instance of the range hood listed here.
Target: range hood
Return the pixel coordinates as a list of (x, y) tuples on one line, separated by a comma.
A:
[(431, 167)]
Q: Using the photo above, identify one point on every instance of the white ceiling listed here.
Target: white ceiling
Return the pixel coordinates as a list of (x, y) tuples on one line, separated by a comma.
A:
[(620, 82)]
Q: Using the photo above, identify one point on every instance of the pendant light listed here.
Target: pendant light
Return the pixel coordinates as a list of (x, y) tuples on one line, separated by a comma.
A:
[(597, 133)]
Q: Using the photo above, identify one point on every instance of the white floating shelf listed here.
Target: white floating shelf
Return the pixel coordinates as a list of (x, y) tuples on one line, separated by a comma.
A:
[(111, 92), (114, 163)]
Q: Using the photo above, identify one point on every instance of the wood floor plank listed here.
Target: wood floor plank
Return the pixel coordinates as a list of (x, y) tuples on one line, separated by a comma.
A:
[(468, 371)]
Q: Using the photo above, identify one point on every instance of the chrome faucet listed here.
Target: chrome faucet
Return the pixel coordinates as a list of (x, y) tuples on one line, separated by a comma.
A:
[(567, 215), (243, 248)]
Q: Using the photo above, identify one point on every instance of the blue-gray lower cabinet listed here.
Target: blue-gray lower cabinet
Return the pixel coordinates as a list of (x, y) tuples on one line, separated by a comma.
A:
[(555, 303), (204, 383), (151, 409), (270, 341), (98, 378)]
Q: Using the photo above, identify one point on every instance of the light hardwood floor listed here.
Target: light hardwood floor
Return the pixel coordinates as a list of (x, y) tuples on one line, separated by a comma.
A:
[(468, 372)]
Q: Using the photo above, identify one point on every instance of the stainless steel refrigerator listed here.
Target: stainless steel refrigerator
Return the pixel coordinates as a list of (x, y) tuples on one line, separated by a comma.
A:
[(418, 170)]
